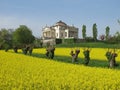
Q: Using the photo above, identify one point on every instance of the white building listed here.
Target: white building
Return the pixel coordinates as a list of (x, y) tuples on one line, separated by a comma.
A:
[(59, 31)]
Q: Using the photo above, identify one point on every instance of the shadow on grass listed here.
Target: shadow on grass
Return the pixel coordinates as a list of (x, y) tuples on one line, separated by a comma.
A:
[(68, 59)]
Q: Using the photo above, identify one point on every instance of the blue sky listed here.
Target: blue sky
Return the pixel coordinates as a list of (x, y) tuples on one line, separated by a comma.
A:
[(37, 13)]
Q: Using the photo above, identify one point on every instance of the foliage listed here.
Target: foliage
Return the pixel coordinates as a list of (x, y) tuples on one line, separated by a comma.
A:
[(114, 39), (23, 35), (84, 31), (27, 49), (95, 32), (70, 40), (89, 39), (100, 44), (117, 36), (107, 32), (58, 41), (38, 42), (7, 47), (6, 38)]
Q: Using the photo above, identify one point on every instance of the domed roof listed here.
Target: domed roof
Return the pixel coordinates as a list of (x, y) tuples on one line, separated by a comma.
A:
[(60, 23)]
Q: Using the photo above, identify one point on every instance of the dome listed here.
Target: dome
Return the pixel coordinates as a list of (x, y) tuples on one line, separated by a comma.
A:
[(60, 23)]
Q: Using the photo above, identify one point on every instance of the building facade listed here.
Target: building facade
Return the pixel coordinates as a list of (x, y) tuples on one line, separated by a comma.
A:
[(59, 31)]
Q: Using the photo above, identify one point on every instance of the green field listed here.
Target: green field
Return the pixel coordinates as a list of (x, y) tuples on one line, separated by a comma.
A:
[(90, 44), (36, 72)]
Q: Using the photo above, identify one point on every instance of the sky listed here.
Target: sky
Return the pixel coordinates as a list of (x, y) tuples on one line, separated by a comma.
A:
[(36, 14)]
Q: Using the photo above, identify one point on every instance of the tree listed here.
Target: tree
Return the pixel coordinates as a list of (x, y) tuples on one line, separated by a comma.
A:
[(38, 42), (84, 31), (23, 36), (5, 38), (107, 32), (95, 33), (117, 36)]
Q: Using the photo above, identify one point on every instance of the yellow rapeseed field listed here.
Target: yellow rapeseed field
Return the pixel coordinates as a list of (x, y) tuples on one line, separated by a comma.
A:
[(96, 53), (25, 72)]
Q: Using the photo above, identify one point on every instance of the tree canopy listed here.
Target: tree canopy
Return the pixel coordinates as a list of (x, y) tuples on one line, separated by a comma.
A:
[(95, 33), (84, 31), (5, 38), (23, 35), (107, 32)]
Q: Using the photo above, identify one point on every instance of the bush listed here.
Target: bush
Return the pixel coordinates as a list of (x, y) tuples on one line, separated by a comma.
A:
[(70, 40), (58, 41), (112, 40), (89, 39)]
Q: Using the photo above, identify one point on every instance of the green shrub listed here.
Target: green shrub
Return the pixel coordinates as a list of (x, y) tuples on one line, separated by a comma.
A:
[(58, 41), (70, 40), (89, 39)]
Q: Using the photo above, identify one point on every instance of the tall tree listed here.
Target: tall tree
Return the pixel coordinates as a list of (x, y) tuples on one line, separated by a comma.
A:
[(23, 35), (95, 32), (107, 32), (84, 31)]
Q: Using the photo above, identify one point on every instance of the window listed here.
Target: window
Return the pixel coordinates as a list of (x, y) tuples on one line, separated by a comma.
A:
[(61, 34), (65, 34), (57, 34)]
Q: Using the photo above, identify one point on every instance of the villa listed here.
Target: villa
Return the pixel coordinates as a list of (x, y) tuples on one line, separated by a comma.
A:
[(59, 30)]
